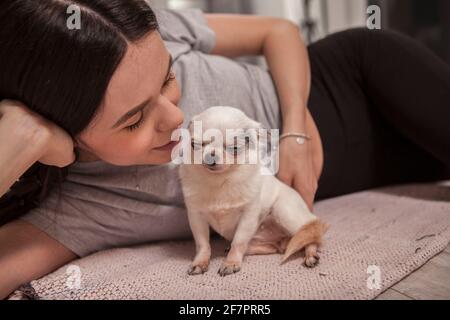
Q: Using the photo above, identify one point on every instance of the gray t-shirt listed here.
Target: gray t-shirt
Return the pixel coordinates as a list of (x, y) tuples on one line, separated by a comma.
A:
[(103, 206)]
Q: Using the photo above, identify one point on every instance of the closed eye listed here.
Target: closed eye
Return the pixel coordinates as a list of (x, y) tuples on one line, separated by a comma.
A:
[(137, 124)]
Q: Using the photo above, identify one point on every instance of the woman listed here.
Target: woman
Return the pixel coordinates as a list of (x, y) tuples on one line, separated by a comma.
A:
[(376, 108)]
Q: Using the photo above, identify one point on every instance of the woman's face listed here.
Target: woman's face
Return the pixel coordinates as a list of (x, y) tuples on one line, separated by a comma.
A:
[(143, 86)]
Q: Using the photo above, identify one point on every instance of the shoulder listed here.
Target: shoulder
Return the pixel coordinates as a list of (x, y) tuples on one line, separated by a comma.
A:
[(186, 26)]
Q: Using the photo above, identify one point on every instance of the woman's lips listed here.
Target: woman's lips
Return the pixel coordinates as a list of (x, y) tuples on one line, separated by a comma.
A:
[(168, 146)]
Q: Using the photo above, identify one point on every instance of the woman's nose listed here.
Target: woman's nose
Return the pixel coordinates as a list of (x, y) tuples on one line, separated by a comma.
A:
[(171, 117)]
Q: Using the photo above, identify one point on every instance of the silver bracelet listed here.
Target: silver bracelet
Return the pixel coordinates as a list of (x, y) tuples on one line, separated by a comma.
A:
[(301, 137)]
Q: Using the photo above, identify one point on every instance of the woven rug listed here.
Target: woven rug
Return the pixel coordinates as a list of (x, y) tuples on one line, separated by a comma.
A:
[(376, 238)]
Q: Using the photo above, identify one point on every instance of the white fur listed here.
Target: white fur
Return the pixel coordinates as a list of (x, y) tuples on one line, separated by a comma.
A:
[(237, 201)]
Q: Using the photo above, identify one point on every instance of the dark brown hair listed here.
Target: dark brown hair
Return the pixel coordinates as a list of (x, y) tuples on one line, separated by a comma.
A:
[(62, 73)]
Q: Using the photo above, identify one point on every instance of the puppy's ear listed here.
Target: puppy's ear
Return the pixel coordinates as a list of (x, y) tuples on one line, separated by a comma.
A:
[(261, 138), (264, 138), (253, 127)]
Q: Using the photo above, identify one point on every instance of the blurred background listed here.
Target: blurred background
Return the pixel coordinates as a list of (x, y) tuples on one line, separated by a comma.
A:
[(428, 21)]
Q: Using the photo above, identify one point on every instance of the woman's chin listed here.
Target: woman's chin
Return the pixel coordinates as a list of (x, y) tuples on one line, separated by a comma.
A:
[(160, 157)]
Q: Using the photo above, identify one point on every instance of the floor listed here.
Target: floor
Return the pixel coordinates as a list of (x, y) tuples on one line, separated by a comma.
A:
[(431, 281)]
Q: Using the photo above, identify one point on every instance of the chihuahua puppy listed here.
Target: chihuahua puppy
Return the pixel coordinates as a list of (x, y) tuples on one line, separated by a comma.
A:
[(257, 213)]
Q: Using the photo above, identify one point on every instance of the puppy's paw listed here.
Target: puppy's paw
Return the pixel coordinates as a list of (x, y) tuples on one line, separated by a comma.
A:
[(228, 268), (198, 269), (311, 260)]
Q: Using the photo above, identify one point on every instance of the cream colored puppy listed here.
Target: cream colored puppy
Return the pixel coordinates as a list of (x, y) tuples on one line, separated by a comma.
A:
[(258, 213)]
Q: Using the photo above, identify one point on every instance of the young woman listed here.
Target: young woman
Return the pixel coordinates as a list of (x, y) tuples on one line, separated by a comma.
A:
[(375, 103)]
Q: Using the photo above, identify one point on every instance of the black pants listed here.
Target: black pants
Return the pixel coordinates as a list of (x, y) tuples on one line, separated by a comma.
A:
[(381, 102)]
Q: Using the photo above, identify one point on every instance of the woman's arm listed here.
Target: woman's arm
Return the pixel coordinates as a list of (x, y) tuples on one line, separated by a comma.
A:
[(288, 60), (21, 144), (26, 137), (280, 41)]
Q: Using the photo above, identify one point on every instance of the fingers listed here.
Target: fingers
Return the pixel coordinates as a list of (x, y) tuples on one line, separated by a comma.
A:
[(285, 177), (60, 162), (299, 173), (285, 173), (7, 103), (71, 160), (307, 191), (59, 155)]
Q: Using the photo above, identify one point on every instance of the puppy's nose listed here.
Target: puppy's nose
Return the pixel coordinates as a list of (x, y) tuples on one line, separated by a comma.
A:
[(210, 158)]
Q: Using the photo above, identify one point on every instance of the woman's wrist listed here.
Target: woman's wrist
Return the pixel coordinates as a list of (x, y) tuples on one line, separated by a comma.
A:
[(294, 127), (294, 131), (294, 121), (294, 147)]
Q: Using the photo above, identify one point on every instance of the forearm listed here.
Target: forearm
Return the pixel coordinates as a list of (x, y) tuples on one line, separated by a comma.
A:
[(287, 58), (15, 161)]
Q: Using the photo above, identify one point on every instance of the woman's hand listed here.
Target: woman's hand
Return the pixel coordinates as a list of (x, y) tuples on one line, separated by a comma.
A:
[(296, 169), (23, 128)]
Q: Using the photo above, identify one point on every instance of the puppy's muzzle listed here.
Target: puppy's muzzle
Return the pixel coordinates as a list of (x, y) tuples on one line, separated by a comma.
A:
[(210, 161)]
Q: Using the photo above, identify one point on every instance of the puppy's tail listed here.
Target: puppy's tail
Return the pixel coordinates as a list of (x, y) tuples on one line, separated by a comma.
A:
[(310, 233)]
